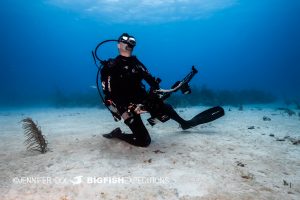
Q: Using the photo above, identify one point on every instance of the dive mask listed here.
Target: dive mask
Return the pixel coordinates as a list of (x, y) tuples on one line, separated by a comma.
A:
[(127, 39)]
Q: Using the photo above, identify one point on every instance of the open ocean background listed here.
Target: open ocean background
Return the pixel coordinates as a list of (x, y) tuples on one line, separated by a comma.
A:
[(236, 45)]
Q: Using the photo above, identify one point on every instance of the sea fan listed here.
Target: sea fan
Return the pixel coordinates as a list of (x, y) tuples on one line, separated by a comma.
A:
[(35, 141)]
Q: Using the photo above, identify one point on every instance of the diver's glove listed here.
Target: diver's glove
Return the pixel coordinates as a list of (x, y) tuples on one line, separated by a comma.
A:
[(136, 108), (154, 87)]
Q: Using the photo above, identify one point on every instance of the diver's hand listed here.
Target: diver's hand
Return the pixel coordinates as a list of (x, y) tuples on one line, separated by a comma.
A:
[(155, 85), (154, 90), (137, 109)]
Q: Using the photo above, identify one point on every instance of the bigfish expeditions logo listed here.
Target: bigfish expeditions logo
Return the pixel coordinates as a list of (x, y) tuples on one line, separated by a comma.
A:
[(76, 180)]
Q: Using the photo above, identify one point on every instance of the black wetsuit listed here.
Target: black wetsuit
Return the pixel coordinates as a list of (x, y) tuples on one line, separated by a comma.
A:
[(122, 83)]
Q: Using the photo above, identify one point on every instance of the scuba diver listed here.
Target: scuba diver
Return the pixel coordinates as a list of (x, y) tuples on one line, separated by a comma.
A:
[(127, 98)]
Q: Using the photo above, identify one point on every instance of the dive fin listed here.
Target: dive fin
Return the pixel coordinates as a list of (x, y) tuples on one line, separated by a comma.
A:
[(114, 133), (204, 117)]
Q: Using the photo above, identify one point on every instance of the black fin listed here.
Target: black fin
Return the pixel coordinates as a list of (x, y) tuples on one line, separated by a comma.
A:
[(114, 133), (204, 117)]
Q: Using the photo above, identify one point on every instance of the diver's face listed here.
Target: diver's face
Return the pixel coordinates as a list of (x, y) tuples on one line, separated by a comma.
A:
[(124, 49)]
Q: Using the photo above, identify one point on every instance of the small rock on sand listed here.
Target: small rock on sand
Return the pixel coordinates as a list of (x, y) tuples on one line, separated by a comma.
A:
[(266, 118), (158, 151), (295, 141), (148, 161), (238, 163)]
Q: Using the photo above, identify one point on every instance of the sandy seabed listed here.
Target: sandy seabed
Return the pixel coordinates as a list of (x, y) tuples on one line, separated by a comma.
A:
[(239, 156)]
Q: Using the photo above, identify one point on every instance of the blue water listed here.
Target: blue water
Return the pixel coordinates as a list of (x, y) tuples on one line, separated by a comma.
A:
[(46, 44)]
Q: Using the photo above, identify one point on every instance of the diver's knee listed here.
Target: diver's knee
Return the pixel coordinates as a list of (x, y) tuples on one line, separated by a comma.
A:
[(145, 143)]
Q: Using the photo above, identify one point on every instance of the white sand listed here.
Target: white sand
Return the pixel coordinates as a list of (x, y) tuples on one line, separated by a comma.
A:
[(205, 162)]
